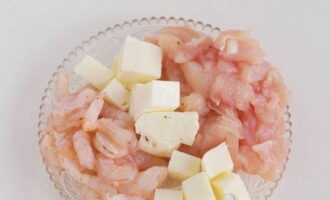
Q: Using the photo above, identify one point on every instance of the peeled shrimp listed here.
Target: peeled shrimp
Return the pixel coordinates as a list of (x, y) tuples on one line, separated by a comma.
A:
[(113, 173), (62, 85), (108, 148), (145, 182), (96, 184), (74, 102), (92, 114), (83, 147), (120, 135), (68, 158), (145, 160), (68, 124), (125, 197), (114, 113), (49, 151)]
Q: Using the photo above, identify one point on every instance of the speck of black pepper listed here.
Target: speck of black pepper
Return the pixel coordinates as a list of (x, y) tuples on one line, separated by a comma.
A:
[(210, 46), (178, 43)]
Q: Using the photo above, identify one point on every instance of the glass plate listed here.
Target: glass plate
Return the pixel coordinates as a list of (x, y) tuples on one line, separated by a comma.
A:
[(104, 46)]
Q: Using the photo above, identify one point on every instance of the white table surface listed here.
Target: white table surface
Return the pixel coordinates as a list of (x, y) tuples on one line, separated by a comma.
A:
[(35, 35)]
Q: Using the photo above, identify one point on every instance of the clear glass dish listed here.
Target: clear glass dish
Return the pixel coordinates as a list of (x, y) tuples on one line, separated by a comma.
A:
[(104, 46)]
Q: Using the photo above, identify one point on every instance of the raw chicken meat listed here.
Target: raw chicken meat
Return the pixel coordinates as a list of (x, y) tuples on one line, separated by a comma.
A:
[(240, 97)]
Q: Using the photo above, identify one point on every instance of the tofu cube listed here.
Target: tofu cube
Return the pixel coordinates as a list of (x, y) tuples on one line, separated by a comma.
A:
[(183, 166), (217, 161), (154, 96), (169, 126), (139, 61), (94, 72), (162, 148), (168, 194), (230, 185), (116, 94), (198, 187)]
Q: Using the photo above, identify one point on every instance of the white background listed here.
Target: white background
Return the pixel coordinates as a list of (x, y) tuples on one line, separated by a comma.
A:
[(35, 35)]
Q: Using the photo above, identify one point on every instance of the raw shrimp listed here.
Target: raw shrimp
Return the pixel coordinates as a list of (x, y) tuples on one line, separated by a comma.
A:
[(68, 124), (68, 158), (145, 160), (96, 184), (145, 182), (113, 173), (71, 103), (120, 135), (70, 109), (62, 85), (114, 113), (89, 194), (92, 114), (125, 197), (83, 147), (108, 148), (49, 151)]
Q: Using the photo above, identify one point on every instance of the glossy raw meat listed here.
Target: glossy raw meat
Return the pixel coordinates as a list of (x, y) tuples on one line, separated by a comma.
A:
[(240, 97)]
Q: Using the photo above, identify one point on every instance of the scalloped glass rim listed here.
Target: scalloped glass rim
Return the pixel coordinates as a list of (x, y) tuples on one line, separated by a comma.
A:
[(111, 37)]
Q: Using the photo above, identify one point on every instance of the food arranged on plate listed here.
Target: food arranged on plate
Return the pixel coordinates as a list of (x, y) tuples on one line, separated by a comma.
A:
[(175, 107)]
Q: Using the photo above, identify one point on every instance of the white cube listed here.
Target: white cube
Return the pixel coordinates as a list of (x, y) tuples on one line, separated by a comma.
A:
[(168, 194), (230, 184), (183, 166), (169, 126), (116, 94), (217, 161), (198, 187), (154, 96), (158, 147), (139, 61), (94, 72)]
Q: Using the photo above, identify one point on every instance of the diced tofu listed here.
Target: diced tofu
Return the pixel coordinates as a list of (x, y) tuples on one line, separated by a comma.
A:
[(168, 194), (94, 72), (169, 126), (162, 148), (217, 161), (154, 96), (139, 61), (198, 187), (230, 184), (183, 166), (116, 94)]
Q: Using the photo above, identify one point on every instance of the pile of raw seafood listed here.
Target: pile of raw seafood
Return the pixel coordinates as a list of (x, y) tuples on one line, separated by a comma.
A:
[(123, 134)]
